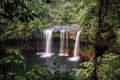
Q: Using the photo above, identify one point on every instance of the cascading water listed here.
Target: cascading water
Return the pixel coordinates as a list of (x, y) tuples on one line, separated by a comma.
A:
[(48, 34), (62, 42), (76, 49), (66, 42), (48, 43), (62, 37)]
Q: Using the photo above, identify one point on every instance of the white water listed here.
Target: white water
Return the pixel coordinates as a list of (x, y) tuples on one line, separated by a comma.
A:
[(66, 41), (48, 43), (62, 42), (76, 48), (63, 34), (48, 40)]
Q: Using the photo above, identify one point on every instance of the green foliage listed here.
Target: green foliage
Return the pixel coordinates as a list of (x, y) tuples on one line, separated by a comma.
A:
[(23, 21), (81, 12), (17, 20), (15, 16), (47, 72), (12, 57), (109, 68), (11, 10)]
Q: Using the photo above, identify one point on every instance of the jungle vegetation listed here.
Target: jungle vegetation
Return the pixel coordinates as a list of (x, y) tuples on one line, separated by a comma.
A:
[(21, 19)]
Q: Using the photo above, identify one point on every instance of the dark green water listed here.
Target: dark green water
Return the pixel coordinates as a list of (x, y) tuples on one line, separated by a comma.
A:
[(34, 59)]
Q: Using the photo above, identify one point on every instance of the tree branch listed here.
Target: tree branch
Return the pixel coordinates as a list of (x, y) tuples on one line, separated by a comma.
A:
[(106, 10)]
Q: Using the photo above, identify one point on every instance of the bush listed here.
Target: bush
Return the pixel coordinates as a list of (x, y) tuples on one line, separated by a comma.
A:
[(54, 72), (13, 57), (109, 69)]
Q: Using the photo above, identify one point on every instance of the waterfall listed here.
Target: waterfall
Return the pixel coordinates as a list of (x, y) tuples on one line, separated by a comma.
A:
[(48, 43), (76, 48), (48, 35), (63, 36), (66, 42), (62, 42)]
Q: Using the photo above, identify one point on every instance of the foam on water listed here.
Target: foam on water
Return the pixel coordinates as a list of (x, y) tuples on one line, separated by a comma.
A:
[(74, 59), (44, 55)]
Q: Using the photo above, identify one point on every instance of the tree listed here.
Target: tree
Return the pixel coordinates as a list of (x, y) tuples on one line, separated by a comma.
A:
[(102, 15)]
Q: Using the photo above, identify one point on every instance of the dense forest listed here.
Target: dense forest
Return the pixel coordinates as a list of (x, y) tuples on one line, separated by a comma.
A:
[(99, 21)]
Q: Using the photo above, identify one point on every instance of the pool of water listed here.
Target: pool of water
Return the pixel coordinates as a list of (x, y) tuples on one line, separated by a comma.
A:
[(35, 59)]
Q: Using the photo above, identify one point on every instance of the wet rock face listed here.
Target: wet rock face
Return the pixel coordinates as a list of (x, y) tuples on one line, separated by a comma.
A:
[(72, 34), (86, 54)]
